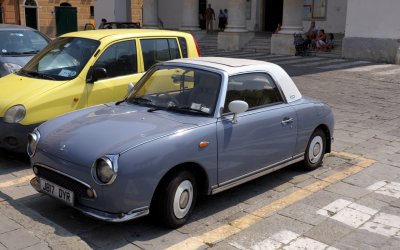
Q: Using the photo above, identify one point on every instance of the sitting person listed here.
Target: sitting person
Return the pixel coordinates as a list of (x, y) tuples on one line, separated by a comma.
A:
[(330, 42), (321, 39), (278, 28)]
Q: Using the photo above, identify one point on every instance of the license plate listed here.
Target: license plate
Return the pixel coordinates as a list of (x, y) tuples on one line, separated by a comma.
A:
[(57, 191)]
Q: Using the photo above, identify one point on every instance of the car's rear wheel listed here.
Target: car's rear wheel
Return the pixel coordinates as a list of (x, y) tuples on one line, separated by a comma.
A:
[(177, 199), (315, 150)]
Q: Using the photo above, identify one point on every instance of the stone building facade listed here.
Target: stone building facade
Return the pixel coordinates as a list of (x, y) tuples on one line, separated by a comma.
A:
[(41, 14), (370, 28), (9, 12)]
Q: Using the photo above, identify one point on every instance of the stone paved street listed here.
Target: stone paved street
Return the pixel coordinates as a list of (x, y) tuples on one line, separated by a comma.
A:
[(351, 202)]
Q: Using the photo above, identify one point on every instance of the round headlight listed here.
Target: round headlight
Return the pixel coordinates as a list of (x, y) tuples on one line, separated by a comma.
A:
[(105, 170), (33, 140), (15, 114)]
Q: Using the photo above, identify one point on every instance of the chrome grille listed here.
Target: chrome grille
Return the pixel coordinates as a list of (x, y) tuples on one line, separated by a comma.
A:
[(64, 181)]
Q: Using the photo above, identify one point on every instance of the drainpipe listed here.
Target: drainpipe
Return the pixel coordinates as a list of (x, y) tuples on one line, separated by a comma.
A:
[(17, 12)]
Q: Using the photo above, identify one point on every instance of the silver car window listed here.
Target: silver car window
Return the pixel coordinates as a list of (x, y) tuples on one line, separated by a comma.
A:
[(178, 88)]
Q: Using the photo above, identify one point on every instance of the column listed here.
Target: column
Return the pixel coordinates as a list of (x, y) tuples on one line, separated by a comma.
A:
[(235, 36), (150, 14), (236, 16), (292, 22), (190, 15)]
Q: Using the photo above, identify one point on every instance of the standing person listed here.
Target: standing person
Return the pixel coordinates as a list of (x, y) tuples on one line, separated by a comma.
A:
[(210, 17), (103, 21), (226, 18), (313, 30), (221, 20)]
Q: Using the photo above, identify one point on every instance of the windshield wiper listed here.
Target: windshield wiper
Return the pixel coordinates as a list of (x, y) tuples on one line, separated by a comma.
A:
[(11, 53), (38, 75), (186, 108), (30, 52), (141, 100), (119, 102)]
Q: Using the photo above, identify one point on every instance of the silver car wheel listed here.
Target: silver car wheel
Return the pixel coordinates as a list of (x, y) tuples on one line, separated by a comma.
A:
[(315, 149), (183, 199)]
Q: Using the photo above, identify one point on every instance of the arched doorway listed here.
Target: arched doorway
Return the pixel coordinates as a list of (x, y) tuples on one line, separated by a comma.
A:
[(65, 4), (31, 14)]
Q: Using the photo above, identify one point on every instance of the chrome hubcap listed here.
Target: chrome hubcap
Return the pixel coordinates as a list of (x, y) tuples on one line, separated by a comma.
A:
[(183, 199), (315, 149)]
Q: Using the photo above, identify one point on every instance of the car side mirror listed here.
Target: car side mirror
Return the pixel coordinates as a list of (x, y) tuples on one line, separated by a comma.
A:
[(95, 74), (237, 107)]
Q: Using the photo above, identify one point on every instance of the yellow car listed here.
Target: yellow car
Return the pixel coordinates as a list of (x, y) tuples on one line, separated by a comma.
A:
[(78, 70)]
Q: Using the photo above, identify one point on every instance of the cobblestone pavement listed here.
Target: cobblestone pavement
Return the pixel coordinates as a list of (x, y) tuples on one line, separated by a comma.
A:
[(351, 202)]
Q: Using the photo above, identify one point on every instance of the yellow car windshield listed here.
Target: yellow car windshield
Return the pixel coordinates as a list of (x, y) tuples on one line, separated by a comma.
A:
[(62, 59)]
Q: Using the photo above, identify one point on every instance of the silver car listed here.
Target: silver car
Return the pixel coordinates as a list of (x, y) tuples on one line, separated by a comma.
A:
[(18, 44), (189, 127)]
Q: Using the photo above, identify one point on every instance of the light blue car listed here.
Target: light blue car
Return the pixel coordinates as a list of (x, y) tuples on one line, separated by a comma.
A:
[(189, 127)]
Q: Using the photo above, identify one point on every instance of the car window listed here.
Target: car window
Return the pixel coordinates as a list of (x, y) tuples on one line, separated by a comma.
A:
[(37, 40), (257, 89), (184, 48), (119, 59), (179, 89), (159, 50), (21, 42)]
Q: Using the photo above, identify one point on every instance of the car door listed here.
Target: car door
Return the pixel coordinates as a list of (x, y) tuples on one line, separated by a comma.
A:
[(120, 62), (264, 135)]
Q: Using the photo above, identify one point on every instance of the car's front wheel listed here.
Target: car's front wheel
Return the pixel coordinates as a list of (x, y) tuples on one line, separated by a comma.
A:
[(315, 150), (177, 199)]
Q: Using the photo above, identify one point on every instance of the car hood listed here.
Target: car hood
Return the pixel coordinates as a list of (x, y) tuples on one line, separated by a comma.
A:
[(16, 89), (83, 136)]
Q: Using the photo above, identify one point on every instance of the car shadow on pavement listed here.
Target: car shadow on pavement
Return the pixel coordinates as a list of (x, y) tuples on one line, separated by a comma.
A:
[(209, 212), (11, 162)]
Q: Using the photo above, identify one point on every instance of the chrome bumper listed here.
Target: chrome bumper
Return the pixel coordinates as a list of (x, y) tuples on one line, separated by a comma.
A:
[(100, 215)]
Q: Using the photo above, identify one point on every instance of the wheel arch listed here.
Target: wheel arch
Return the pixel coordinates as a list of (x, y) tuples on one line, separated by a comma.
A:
[(327, 133), (200, 175)]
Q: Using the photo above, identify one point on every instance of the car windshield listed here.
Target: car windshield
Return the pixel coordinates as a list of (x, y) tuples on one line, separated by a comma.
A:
[(62, 59), (178, 89), (21, 42)]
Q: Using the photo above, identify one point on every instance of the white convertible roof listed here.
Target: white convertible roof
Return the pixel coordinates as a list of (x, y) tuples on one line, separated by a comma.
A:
[(233, 66)]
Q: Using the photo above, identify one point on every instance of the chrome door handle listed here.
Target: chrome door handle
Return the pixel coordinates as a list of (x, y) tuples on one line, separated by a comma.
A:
[(286, 121)]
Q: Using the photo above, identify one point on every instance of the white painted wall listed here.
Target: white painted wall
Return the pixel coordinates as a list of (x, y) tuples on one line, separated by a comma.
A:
[(373, 19), (112, 10), (170, 13), (120, 11), (335, 17), (103, 9)]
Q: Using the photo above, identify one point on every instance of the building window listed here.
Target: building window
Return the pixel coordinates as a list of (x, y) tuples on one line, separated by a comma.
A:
[(314, 9), (91, 11)]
